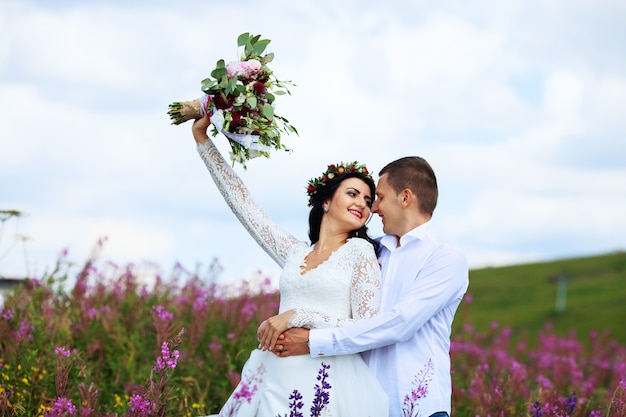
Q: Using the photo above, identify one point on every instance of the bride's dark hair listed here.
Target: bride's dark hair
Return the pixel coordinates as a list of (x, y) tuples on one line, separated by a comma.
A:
[(327, 192)]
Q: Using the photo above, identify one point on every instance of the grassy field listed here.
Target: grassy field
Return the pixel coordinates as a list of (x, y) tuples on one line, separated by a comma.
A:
[(524, 297)]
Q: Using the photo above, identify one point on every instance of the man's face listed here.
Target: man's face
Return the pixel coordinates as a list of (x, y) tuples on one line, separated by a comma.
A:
[(387, 206)]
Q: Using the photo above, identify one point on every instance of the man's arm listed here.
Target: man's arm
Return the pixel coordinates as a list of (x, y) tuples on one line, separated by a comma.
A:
[(440, 282)]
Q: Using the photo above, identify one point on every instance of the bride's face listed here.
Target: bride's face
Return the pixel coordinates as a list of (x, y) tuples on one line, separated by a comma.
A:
[(351, 204)]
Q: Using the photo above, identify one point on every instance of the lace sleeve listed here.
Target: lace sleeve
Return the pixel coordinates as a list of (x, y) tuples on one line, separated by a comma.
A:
[(365, 296), (267, 234)]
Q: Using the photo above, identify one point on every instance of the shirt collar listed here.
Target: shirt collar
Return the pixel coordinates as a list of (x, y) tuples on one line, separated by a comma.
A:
[(419, 233)]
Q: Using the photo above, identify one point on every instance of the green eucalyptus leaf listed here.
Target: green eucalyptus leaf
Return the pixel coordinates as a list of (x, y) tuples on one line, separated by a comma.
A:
[(260, 46), (251, 102), (279, 92), (268, 111), (223, 82), (270, 97), (269, 57), (206, 84), (218, 72), (232, 86), (243, 39)]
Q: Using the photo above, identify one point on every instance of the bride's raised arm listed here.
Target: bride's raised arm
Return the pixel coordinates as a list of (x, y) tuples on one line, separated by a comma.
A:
[(275, 241)]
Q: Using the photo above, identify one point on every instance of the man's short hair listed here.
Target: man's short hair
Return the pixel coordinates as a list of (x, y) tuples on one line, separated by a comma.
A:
[(414, 173)]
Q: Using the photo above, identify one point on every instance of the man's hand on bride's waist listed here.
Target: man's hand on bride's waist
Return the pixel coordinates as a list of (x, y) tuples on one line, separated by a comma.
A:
[(293, 342)]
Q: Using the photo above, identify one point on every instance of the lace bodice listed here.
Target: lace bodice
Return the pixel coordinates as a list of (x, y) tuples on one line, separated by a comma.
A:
[(344, 288)]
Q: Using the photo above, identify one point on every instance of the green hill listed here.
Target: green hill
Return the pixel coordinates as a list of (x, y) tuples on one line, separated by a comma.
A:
[(524, 297)]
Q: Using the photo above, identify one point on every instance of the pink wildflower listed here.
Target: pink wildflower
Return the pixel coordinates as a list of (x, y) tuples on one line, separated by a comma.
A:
[(167, 360)]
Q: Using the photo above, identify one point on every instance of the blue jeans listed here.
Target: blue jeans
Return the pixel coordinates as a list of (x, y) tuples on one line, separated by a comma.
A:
[(440, 414)]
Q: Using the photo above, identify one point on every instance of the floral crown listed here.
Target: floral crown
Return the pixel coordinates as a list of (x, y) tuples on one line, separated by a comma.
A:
[(331, 172)]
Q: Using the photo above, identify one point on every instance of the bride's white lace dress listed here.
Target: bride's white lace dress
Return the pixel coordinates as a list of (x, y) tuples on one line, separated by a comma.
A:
[(344, 288)]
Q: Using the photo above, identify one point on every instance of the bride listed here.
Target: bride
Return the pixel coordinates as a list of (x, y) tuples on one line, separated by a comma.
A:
[(330, 282)]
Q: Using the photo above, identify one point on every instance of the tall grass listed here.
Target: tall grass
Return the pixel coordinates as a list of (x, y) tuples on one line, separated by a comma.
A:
[(98, 340)]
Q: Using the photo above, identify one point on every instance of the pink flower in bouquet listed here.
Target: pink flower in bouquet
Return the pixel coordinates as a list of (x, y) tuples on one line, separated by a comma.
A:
[(243, 69), (233, 68), (251, 66)]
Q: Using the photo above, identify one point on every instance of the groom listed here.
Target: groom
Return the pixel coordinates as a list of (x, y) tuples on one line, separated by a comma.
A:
[(407, 345)]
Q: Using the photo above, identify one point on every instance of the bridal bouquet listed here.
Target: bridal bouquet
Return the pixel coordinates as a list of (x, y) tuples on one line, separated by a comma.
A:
[(239, 99)]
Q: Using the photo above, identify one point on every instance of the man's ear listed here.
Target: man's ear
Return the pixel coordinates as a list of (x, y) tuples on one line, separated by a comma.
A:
[(406, 197)]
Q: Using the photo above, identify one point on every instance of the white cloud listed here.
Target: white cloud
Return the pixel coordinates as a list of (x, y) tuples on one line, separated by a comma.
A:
[(517, 105)]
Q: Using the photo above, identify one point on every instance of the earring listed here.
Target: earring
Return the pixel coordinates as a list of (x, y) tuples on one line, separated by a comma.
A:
[(325, 209)]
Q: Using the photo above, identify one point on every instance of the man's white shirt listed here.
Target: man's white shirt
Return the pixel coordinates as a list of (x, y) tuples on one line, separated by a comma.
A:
[(407, 345)]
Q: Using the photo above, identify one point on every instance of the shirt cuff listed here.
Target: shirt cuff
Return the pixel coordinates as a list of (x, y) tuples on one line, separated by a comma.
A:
[(321, 342)]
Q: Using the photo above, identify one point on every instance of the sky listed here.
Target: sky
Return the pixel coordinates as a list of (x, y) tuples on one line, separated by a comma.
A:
[(517, 105)]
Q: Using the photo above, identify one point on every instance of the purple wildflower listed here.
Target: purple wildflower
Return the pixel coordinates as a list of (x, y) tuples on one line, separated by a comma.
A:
[(215, 346), (34, 282), (200, 303), (86, 412), (139, 405), (410, 406), (167, 360), (7, 314), (91, 312), (322, 394), (25, 332), (62, 351), (296, 404), (570, 403), (544, 383), (163, 314), (61, 407), (535, 411), (244, 392), (248, 309)]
